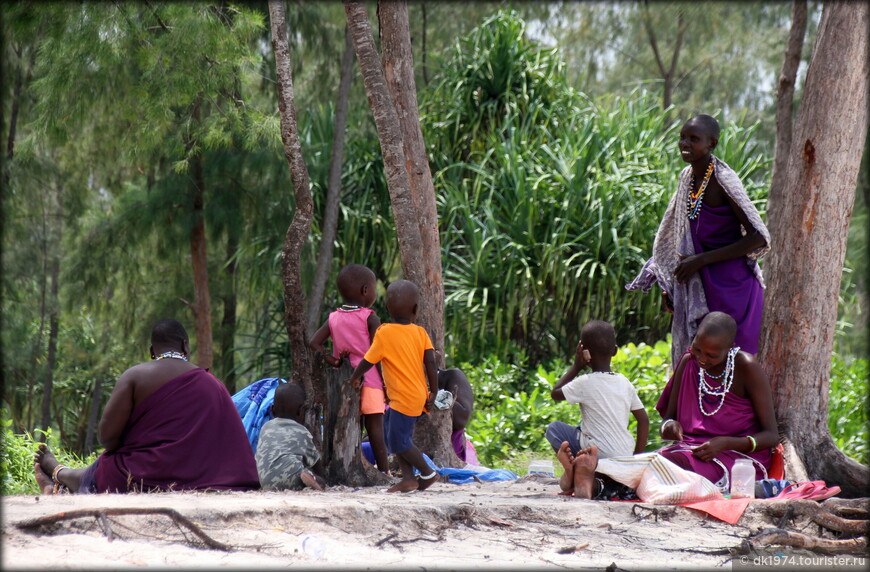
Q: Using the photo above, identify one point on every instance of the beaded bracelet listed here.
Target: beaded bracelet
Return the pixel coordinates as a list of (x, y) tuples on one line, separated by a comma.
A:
[(754, 444)]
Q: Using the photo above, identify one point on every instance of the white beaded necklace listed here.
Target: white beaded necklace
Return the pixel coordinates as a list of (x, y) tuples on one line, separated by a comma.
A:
[(173, 355), (705, 388)]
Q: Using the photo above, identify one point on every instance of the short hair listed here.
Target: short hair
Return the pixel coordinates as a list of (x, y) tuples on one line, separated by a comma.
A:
[(168, 332), (402, 295), (288, 397), (351, 278), (599, 337), (708, 123), (718, 324)]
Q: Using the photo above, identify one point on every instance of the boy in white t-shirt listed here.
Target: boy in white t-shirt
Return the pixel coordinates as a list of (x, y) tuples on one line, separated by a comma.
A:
[(605, 399)]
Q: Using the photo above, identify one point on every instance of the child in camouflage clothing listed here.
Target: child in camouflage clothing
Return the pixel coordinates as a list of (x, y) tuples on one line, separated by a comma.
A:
[(285, 452)]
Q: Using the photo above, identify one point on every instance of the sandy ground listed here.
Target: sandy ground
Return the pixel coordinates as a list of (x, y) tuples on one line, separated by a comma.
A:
[(522, 524)]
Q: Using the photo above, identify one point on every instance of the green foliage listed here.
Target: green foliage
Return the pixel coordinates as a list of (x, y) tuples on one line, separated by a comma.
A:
[(847, 407), (16, 459)]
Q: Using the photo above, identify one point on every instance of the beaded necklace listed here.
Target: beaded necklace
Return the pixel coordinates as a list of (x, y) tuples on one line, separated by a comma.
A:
[(173, 355), (705, 388), (696, 197), (348, 308)]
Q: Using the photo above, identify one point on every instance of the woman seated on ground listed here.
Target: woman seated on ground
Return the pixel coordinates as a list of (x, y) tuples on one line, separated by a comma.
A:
[(717, 408), (168, 425)]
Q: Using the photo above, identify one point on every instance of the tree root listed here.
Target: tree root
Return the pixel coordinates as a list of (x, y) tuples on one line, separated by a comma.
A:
[(798, 540), (818, 514), (101, 515)]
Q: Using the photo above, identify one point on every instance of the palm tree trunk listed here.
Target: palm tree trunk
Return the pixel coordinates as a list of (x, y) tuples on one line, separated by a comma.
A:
[(809, 242), (333, 188), (297, 232)]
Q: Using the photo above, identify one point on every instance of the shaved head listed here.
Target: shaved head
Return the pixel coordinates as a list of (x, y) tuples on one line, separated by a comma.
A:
[(598, 337), (289, 400), (168, 332), (402, 299), (707, 123), (718, 325), (352, 278)]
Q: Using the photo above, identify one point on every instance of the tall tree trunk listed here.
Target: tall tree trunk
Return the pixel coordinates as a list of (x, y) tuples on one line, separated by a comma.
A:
[(667, 73), (94, 415), (297, 232), (423, 45), (390, 139), (809, 242), (333, 188), (432, 434), (199, 261), (53, 330), (785, 97), (228, 323)]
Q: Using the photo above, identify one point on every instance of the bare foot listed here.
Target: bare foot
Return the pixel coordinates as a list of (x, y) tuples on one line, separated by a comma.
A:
[(46, 486), (566, 481), (584, 472), (70, 478), (312, 480), (426, 483), (404, 486)]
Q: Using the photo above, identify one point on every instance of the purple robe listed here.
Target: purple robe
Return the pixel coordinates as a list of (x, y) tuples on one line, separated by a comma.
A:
[(186, 435), (736, 418), (730, 286), (674, 237)]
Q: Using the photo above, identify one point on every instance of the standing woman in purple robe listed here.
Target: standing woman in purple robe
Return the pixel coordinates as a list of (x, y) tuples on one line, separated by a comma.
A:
[(706, 248)]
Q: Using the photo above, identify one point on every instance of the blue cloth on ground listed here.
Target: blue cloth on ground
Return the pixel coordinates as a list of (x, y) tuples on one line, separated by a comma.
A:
[(464, 476), (254, 404)]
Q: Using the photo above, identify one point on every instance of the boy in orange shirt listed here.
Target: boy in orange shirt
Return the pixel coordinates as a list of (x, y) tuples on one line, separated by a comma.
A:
[(407, 359)]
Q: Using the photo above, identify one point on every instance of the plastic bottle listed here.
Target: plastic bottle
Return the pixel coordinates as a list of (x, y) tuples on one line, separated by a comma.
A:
[(313, 547), (541, 466), (743, 479)]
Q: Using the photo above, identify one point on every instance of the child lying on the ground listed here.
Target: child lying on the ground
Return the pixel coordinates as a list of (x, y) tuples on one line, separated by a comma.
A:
[(286, 453)]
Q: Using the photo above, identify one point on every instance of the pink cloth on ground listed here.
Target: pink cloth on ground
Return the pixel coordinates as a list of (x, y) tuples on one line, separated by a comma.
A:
[(349, 330)]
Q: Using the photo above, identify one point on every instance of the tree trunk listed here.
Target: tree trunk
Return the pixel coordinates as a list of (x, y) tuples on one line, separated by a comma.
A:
[(333, 188), (48, 382), (432, 433), (785, 97), (199, 261), (390, 138), (667, 74), (297, 232), (228, 323), (342, 459), (94, 415), (809, 242)]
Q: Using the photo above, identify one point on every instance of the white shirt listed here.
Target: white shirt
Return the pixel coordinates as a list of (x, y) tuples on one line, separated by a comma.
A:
[(605, 399)]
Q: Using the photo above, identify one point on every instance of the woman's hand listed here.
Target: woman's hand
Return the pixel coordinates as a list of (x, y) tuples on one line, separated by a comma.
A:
[(706, 451), (671, 430), (667, 303), (688, 266)]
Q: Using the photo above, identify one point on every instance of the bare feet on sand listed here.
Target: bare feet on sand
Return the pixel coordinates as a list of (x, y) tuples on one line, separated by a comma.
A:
[(46, 486), (45, 459), (566, 481), (312, 480), (584, 472), (425, 483), (404, 486)]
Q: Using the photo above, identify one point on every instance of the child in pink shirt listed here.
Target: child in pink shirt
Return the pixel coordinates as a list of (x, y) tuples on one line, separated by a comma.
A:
[(352, 328)]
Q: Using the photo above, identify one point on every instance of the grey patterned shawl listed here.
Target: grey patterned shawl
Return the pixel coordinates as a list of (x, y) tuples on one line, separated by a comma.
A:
[(674, 236)]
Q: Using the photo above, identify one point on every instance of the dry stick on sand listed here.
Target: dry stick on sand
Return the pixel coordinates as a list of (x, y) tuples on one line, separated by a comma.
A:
[(799, 540), (819, 515), (101, 513)]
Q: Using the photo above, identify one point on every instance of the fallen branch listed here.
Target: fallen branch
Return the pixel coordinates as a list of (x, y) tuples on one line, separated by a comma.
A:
[(798, 540), (101, 513), (571, 549), (818, 514), (848, 508)]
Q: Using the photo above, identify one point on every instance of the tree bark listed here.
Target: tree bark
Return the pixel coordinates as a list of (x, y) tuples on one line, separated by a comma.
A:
[(809, 242), (199, 261), (297, 232), (390, 138), (93, 415), (48, 381), (785, 97), (432, 433), (228, 323), (333, 188)]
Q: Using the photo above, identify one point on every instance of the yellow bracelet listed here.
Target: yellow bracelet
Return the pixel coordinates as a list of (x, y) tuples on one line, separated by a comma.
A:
[(754, 444)]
